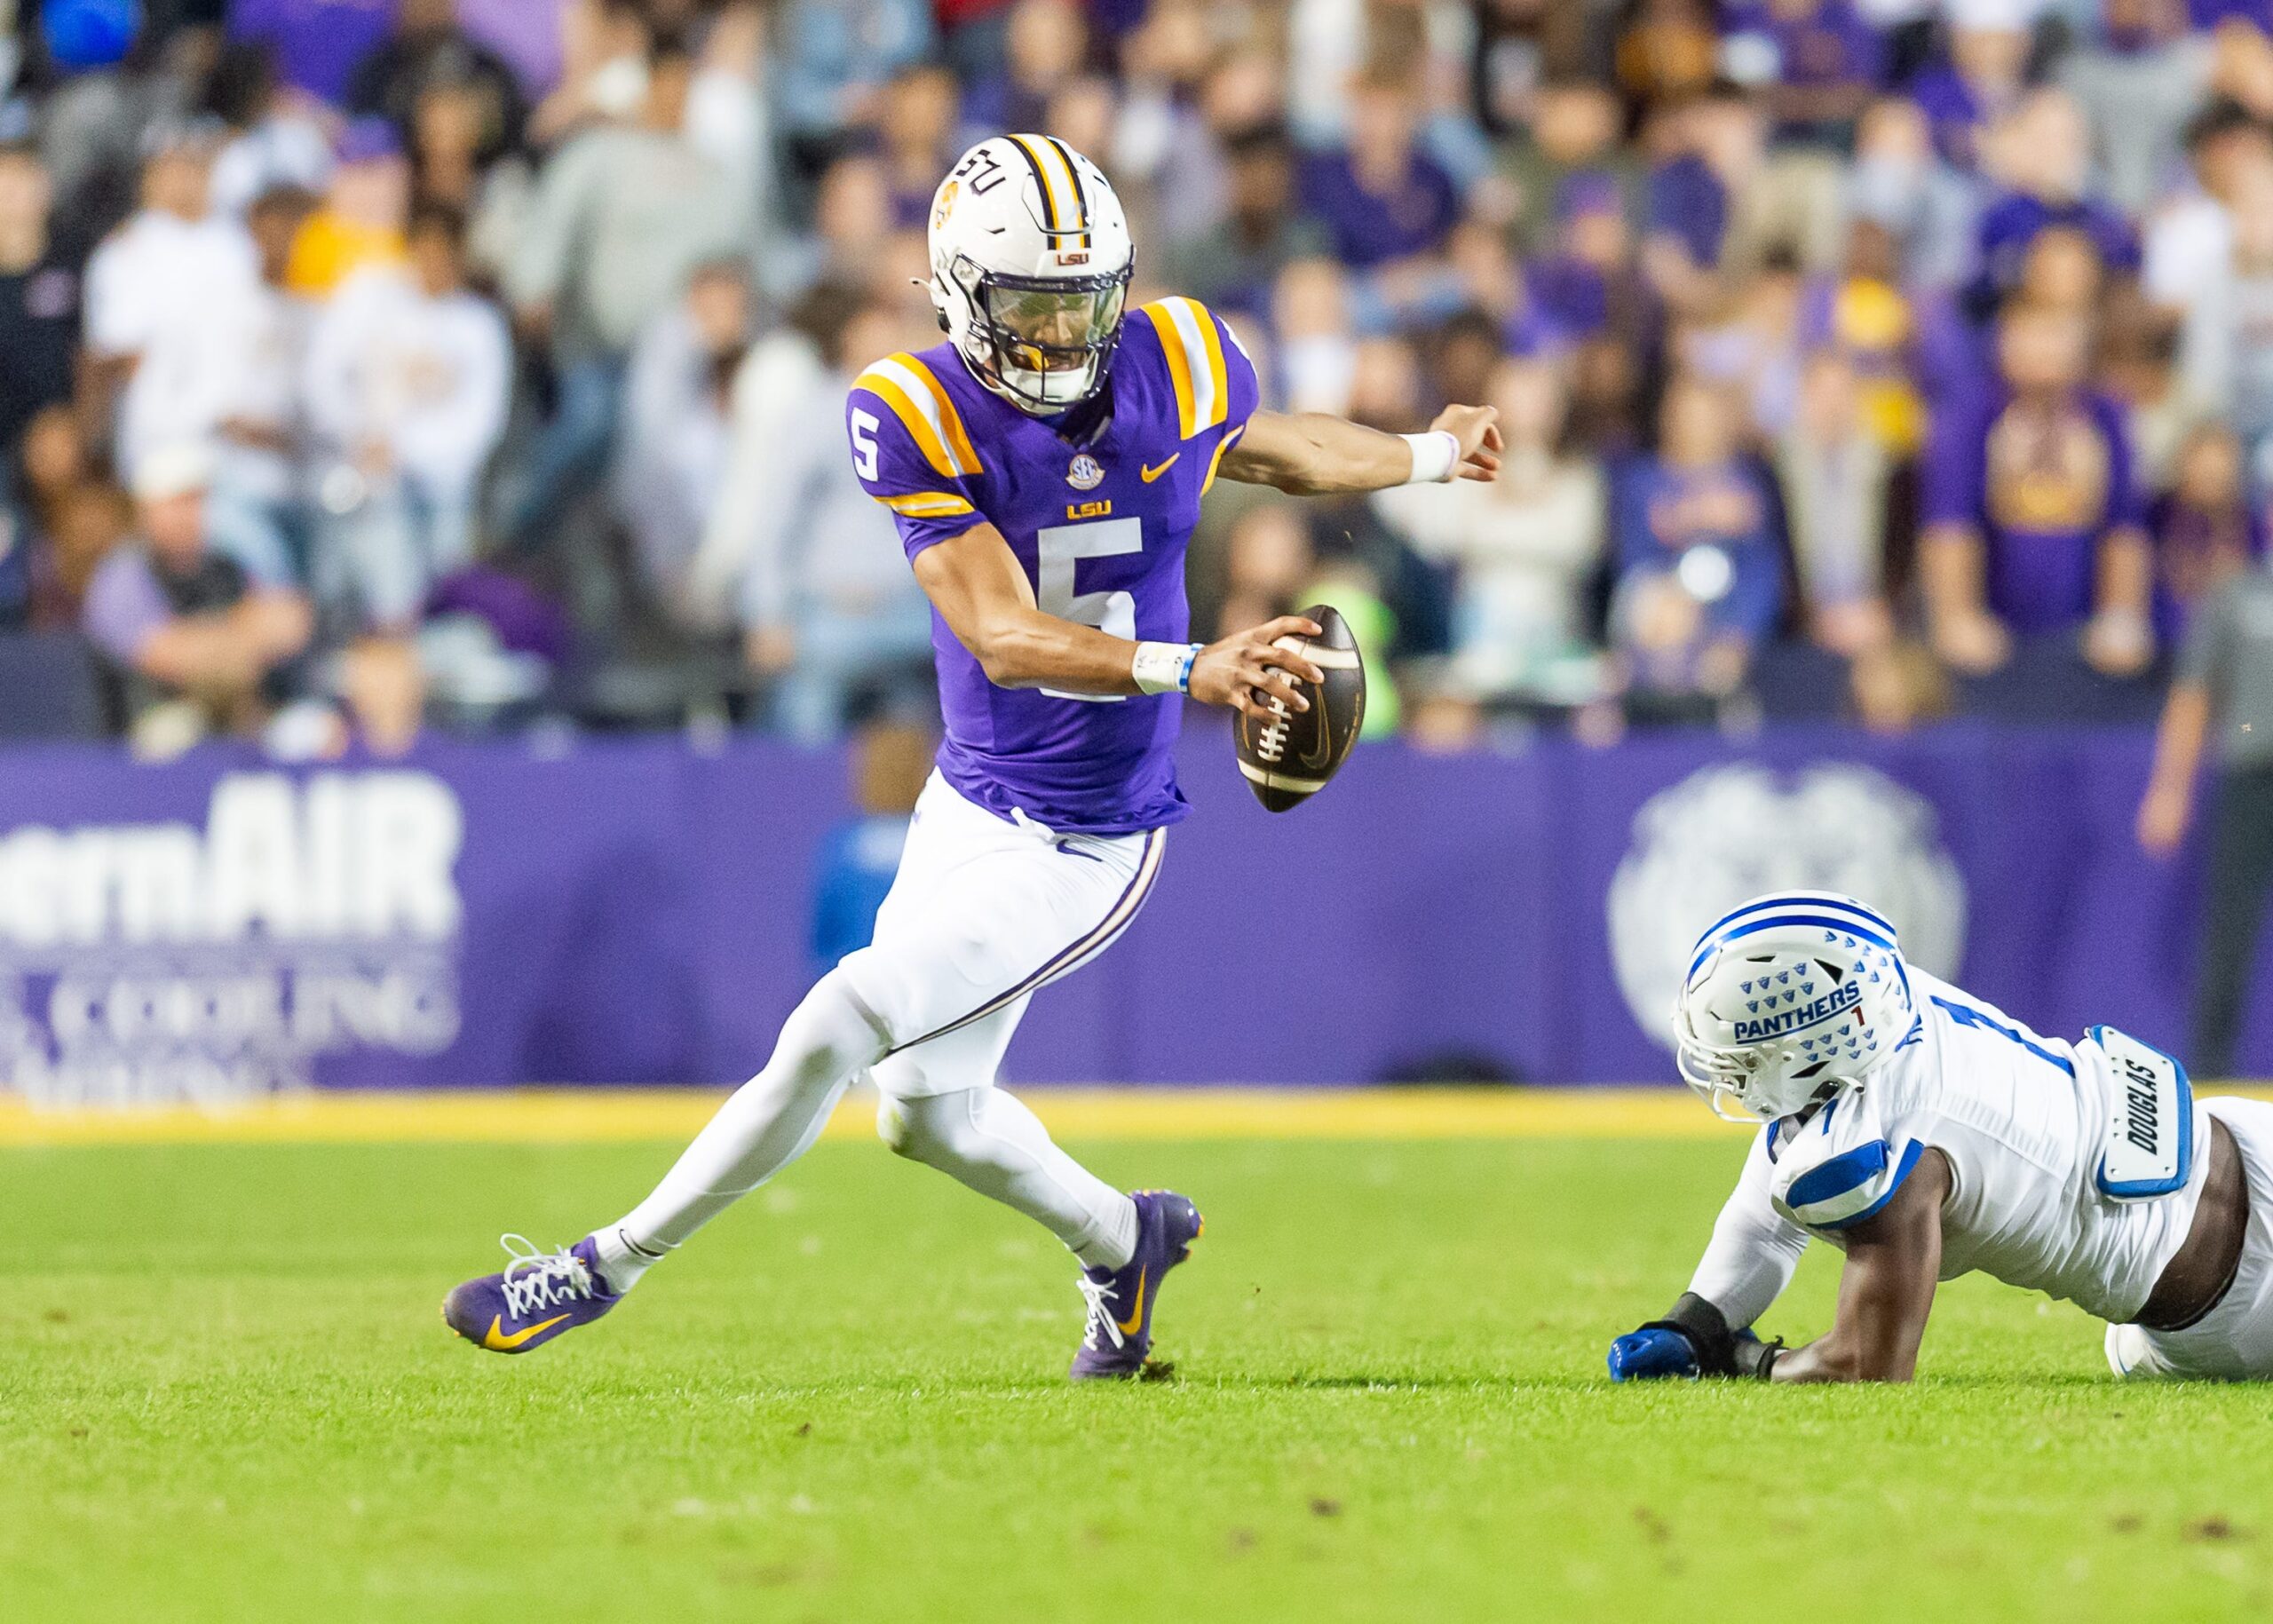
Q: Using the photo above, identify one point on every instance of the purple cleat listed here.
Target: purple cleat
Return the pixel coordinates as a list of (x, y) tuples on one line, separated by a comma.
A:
[(540, 1295), (1121, 1301)]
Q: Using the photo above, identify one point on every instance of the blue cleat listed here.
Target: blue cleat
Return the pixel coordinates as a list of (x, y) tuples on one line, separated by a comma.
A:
[(539, 1296), (1121, 1301)]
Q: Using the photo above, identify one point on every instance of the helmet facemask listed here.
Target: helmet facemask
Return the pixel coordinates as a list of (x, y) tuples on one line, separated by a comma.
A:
[(1043, 342), (1744, 1082)]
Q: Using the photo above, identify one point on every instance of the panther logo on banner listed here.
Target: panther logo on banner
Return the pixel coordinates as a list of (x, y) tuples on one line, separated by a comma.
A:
[(1727, 833), (149, 964)]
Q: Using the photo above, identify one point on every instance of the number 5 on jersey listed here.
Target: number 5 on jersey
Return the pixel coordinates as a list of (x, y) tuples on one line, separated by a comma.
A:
[(1061, 548)]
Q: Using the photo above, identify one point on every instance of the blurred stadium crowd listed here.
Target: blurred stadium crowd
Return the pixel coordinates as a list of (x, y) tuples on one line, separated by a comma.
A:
[(374, 364)]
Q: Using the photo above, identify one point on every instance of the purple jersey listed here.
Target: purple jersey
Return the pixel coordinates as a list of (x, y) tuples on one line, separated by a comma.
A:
[(2042, 487), (1100, 528)]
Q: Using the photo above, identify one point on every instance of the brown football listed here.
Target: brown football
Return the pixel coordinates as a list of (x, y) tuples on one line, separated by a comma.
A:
[(1288, 755)]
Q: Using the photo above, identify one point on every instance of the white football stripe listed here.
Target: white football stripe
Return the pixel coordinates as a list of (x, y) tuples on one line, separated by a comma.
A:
[(1269, 780)]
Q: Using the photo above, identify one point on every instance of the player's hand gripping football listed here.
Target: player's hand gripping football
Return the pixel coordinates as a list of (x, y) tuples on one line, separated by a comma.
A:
[(1245, 672), (1478, 430)]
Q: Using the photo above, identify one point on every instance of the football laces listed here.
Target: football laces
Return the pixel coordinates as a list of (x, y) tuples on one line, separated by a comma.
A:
[(1271, 743)]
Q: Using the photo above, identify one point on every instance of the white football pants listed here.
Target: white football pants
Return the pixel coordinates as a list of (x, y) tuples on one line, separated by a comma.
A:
[(982, 912)]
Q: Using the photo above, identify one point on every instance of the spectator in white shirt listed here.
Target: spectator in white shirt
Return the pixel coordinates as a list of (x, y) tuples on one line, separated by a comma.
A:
[(2226, 345), (671, 453), (256, 508), (153, 290), (796, 551), (275, 139), (408, 373), (2188, 241), (1833, 475), (1524, 546), (623, 215)]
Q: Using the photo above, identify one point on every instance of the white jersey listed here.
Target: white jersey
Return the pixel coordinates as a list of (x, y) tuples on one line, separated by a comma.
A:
[(2024, 1121)]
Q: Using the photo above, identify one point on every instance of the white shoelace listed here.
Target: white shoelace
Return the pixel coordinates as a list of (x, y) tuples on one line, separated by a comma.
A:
[(1100, 1297), (537, 1279)]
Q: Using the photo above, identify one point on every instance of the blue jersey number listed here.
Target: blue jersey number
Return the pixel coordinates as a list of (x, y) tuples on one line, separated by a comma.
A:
[(1965, 1015)]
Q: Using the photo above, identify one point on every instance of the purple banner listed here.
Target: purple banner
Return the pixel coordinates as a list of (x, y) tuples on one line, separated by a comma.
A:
[(633, 911)]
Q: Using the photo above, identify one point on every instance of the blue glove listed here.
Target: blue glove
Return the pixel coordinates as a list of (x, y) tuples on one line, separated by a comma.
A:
[(1651, 1353)]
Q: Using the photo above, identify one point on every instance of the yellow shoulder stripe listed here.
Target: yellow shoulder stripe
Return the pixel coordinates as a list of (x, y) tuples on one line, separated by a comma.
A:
[(922, 406), (1215, 462), (928, 504), (1195, 357)]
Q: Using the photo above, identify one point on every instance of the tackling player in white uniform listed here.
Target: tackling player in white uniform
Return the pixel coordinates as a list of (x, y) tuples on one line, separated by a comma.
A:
[(1927, 1134)]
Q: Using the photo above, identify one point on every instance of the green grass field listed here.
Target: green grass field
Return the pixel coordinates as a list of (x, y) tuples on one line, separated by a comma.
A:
[(225, 1394)]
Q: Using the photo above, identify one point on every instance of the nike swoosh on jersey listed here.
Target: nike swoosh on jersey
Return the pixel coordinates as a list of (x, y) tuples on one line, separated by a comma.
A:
[(1129, 1327), (1150, 474), (496, 1341)]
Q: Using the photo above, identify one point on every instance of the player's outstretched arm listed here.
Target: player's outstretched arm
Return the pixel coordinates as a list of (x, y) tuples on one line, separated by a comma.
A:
[(1311, 453), (1886, 1292), (1754, 1251), (977, 584)]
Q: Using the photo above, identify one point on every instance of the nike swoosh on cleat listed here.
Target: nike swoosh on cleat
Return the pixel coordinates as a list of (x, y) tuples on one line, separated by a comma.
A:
[(495, 1340), (1129, 1326), (1150, 474)]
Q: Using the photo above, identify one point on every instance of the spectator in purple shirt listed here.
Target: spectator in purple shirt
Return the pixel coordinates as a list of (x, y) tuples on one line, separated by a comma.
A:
[(182, 622), (1381, 197), (1712, 148), (1044, 44), (1981, 81), (2043, 153), (1699, 582), (918, 141), (2033, 520), (318, 43), (1820, 60), (1587, 284)]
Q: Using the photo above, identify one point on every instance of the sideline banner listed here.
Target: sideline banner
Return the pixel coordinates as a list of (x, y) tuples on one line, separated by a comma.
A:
[(629, 911)]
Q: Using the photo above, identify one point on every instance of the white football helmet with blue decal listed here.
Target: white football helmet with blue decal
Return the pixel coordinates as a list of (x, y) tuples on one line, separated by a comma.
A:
[(1789, 998), (1030, 264)]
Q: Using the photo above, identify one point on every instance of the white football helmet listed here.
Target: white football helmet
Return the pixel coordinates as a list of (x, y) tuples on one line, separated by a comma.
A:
[(1793, 996), (1030, 263)]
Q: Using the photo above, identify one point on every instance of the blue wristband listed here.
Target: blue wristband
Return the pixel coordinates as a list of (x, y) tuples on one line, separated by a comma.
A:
[(1183, 671)]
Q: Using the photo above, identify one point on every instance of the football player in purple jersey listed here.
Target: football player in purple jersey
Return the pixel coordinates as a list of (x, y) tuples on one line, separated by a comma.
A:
[(1045, 467)]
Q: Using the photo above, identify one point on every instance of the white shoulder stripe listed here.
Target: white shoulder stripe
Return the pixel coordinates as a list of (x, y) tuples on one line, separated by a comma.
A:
[(1186, 317), (918, 391)]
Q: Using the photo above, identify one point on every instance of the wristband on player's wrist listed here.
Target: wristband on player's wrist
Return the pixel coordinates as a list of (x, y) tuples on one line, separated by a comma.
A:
[(1707, 1330), (1164, 668), (1755, 1359), (1436, 456)]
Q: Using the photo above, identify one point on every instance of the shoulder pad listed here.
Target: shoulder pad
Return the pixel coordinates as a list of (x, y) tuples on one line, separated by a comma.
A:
[(1191, 341), (1842, 1166), (921, 431)]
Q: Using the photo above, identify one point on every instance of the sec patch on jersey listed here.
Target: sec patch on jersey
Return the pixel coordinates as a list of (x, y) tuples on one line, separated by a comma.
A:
[(1288, 756)]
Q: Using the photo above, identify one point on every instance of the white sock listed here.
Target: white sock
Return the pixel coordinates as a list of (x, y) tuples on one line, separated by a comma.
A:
[(989, 1141), (765, 1125), (621, 1262)]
